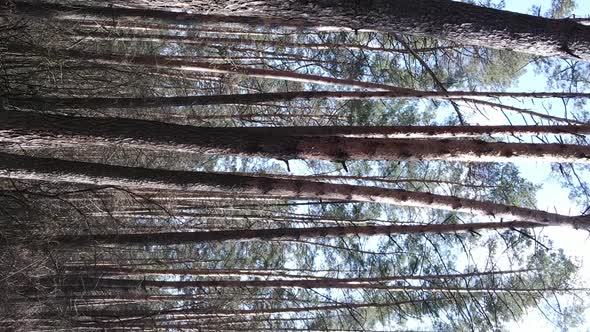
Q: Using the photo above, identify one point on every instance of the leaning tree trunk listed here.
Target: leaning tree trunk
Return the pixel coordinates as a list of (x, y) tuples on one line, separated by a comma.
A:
[(382, 90), (46, 169), (30, 129), (460, 22), (208, 67)]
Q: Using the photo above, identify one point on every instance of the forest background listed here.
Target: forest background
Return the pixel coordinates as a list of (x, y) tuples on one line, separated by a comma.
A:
[(219, 217)]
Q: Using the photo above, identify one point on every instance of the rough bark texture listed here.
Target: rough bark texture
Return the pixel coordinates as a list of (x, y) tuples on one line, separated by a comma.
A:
[(253, 98), (273, 274), (319, 283), (460, 22), (209, 41), (217, 312), (31, 168), (31, 129), (170, 238), (225, 68), (208, 67)]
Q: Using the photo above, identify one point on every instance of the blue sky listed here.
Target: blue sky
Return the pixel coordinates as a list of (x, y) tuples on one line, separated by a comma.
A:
[(552, 197)]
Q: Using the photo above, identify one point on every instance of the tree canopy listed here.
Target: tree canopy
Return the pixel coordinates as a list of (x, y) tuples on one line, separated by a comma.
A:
[(291, 165)]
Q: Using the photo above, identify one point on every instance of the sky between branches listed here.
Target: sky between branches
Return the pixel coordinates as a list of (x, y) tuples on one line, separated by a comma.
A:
[(551, 196)]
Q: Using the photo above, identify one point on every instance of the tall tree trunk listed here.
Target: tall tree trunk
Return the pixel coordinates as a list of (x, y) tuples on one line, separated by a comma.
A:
[(457, 21), (208, 41), (118, 271), (106, 283), (30, 129), (208, 67), (255, 98), (170, 238), (267, 274), (259, 98), (200, 313), (383, 179), (221, 68), (55, 170)]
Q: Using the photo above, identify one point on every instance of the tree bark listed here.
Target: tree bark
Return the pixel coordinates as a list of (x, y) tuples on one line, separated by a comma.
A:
[(208, 41), (106, 283), (218, 68), (384, 179), (171, 238), (31, 129), (125, 271), (256, 98), (268, 273), (55, 170), (224, 68), (386, 91), (457, 21)]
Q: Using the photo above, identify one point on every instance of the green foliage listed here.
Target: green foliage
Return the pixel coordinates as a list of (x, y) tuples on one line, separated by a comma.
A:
[(32, 213)]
